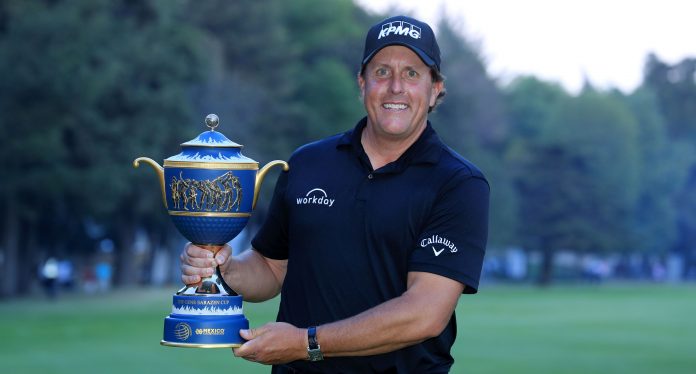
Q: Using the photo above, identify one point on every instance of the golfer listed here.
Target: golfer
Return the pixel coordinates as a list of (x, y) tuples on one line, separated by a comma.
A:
[(372, 235)]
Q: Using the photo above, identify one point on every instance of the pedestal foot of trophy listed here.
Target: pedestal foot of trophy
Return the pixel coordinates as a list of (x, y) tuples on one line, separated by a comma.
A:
[(207, 315), (193, 327)]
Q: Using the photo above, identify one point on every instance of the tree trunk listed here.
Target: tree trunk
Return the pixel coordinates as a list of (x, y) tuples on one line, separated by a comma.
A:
[(27, 264), (126, 272), (10, 250), (546, 270)]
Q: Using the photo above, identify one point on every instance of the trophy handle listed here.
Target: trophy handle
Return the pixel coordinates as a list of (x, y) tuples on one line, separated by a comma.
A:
[(158, 169), (262, 174)]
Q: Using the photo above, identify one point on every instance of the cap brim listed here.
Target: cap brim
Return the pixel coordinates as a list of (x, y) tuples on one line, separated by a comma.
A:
[(423, 56)]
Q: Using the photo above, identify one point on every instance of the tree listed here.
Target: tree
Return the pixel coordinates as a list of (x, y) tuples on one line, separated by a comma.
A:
[(327, 38), (577, 167), (663, 170), (529, 103), (674, 87), (471, 120), (88, 86), (475, 115)]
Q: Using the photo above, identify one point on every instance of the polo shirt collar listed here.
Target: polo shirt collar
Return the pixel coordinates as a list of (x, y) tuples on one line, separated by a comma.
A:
[(427, 149)]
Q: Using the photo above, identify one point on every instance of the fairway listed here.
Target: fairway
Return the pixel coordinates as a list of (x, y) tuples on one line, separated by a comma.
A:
[(504, 329)]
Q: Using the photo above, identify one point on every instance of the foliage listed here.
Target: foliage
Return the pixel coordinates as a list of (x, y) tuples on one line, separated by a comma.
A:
[(472, 121), (88, 85), (674, 87), (663, 169), (580, 165)]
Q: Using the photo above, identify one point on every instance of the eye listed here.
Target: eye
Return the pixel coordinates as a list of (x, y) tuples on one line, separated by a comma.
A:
[(381, 72), (411, 74)]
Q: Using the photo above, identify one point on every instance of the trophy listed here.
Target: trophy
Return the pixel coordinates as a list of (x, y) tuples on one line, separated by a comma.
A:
[(209, 190)]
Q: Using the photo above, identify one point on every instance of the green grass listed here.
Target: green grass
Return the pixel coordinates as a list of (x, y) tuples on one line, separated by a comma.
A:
[(565, 329), (605, 329)]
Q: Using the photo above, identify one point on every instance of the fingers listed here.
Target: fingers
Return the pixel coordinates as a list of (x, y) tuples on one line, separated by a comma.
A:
[(199, 262), (192, 275), (194, 251), (197, 256), (196, 263), (273, 343)]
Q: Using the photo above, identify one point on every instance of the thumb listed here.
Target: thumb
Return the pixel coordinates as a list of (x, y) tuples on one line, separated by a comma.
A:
[(223, 254), (249, 334)]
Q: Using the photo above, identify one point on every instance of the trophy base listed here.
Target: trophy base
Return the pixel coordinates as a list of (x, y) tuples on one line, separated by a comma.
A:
[(184, 345), (205, 321)]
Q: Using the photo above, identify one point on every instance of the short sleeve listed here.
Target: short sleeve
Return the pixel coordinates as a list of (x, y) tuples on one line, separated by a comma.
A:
[(272, 238), (453, 241)]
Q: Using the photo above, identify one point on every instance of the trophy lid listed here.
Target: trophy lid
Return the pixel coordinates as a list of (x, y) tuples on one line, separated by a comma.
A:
[(211, 146)]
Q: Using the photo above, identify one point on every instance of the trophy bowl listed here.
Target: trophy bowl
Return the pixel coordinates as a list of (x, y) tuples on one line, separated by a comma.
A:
[(210, 190)]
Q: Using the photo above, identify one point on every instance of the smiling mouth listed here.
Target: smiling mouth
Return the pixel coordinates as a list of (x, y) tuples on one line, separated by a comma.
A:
[(392, 106)]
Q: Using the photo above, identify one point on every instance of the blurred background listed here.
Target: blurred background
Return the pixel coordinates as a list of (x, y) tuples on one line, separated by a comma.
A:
[(593, 182)]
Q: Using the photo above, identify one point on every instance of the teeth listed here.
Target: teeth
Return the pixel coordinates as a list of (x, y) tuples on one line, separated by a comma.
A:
[(394, 106)]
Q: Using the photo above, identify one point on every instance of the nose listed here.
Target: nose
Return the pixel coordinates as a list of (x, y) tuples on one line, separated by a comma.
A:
[(396, 86)]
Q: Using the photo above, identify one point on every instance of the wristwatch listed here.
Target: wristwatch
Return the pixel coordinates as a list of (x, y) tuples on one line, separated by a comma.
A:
[(313, 349)]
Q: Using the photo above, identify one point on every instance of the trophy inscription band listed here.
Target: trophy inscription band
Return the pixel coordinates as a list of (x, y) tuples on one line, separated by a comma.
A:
[(209, 191), (205, 322)]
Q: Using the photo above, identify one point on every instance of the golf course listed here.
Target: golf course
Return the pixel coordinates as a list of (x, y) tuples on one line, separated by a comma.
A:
[(611, 328)]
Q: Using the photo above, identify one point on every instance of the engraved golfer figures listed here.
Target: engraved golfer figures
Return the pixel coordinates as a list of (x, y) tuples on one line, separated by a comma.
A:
[(209, 190)]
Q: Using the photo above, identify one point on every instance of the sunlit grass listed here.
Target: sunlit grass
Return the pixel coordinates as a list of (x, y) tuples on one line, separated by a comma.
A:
[(584, 329), (601, 329)]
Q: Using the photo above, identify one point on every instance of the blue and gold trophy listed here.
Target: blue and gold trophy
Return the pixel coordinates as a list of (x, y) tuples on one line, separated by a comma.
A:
[(209, 190)]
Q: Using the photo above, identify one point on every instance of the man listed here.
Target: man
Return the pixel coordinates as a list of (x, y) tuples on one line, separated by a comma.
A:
[(371, 236)]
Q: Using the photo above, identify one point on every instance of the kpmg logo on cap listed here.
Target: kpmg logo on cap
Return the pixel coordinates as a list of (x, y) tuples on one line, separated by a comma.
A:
[(399, 28)]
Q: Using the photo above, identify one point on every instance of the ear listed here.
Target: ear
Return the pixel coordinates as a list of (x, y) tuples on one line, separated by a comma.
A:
[(361, 84), (435, 92)]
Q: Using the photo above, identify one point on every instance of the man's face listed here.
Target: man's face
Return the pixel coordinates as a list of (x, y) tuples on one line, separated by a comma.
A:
[(397, 91)]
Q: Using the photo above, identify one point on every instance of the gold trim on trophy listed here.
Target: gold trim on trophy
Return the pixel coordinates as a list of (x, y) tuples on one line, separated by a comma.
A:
[(192, 345), (207, 214), (158, 169), (213, 165), (262, 174)]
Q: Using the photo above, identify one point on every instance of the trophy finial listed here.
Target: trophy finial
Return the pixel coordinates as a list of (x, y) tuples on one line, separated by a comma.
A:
[(212, 121)]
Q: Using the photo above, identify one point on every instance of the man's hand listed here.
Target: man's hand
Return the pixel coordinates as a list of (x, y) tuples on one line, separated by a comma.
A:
[(273, 343), (198, 263)]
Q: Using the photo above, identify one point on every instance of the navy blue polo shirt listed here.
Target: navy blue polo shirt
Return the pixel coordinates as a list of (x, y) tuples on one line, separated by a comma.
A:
[(351, 235)]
